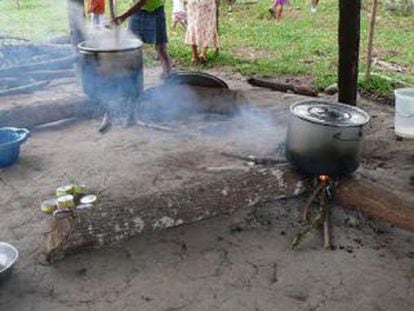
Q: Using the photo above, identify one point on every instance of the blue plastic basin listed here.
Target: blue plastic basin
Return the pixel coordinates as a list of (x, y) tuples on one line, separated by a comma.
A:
[(10, 140)]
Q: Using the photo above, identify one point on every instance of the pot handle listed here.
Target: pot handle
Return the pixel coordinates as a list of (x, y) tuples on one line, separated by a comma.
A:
[(24, 134), (337, 136)]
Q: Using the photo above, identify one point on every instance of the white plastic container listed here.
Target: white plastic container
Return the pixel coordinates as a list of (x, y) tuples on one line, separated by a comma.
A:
[(404, 112)]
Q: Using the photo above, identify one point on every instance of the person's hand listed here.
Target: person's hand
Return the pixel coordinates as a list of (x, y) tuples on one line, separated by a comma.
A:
[(118, 20)]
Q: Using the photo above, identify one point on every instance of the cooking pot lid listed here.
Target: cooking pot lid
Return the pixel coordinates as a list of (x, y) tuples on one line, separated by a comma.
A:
[(326, 113)]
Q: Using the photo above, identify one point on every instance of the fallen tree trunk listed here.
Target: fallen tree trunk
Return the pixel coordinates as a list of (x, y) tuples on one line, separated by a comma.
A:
[(44, 112), (283, 87), (377, 201), (118, 217)]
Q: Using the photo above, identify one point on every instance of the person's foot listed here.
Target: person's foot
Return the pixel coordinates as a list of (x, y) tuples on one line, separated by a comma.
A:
[(313, 9), (106, 123), (203, 59), (194, 61)]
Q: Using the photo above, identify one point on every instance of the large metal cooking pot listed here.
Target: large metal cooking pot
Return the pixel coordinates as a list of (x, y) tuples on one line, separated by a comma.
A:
[(325, 138), (110, 71)]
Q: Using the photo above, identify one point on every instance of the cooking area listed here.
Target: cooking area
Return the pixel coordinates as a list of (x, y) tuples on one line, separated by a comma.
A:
[(124, 191)]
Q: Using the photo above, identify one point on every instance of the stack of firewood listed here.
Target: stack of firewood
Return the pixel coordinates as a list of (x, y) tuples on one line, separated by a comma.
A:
[(26, 67)]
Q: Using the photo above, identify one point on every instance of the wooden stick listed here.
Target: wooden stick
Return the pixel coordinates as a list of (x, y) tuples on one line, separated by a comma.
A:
[(310, 200), (371, 27), (325, 212), (257, 161), (155, 126)]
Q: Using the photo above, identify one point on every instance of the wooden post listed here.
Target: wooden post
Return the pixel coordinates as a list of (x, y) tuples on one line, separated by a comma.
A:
[(371, 27), (76, 11), (348, 39)]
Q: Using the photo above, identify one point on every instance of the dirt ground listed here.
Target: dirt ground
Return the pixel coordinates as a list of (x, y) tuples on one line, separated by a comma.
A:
[(231, 262), (238, 262)]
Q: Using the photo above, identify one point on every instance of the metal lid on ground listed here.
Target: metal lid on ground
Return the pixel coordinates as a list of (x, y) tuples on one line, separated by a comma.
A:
[(328, 113)]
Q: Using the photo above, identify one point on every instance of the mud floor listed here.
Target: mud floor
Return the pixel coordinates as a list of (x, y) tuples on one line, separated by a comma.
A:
[(238, 262), (233, 262)]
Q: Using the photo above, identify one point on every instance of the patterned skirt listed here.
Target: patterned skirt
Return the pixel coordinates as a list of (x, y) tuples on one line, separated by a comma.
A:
[(202, 24)]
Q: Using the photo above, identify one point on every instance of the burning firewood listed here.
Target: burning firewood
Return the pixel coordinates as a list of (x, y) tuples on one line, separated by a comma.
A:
[(323, 189)]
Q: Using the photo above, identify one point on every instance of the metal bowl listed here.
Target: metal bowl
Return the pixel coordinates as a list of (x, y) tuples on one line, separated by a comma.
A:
[(8, 256)]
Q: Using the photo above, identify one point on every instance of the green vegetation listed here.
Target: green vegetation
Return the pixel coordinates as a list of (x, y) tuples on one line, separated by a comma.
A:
[(252, 43)]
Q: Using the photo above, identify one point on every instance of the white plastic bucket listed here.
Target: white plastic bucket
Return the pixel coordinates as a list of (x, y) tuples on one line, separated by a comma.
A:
[(404, 112)]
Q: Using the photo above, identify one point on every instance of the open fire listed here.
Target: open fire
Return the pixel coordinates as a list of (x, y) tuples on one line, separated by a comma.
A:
[(323, 195)]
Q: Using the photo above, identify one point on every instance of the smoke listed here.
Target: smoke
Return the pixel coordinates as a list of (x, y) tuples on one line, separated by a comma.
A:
[(217, 114), (257, 132)]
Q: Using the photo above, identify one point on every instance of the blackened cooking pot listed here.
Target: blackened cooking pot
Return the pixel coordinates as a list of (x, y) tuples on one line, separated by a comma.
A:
[(110, 70), (325, 138)]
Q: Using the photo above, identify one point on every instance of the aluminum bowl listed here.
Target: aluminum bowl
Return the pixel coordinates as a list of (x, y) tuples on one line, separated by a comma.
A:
[(8, 256)]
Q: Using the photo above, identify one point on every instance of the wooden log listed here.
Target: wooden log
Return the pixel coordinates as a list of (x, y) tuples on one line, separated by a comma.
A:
[(50, 74), (118, 217), (66, 62), (44, 112), (377, 201), (283, 87), (27, 88), (348, 39)]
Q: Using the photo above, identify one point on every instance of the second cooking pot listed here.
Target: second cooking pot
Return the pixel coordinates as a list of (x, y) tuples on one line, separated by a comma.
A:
[(325, 138)]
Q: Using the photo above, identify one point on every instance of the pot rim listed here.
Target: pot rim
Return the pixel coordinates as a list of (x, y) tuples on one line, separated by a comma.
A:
[(138, 45), (332, 124), (14, 259)]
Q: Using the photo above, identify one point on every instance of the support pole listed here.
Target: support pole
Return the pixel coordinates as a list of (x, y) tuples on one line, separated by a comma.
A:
[(348, 40), (371, 28)]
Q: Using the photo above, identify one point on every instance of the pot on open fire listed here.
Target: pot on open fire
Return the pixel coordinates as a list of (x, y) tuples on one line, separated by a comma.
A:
[(111, 69), (325, 138)]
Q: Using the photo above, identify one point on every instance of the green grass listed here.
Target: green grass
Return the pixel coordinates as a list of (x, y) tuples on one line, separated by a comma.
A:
[(252, 43)]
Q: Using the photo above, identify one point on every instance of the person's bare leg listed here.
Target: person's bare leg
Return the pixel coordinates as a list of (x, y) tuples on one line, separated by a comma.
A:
[(203, 55), (163, 57), (194, 54), (314, 3), (278, 11), (174, 25)]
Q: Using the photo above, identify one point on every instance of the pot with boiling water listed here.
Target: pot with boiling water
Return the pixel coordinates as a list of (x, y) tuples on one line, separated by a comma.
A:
[(110, 70)]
